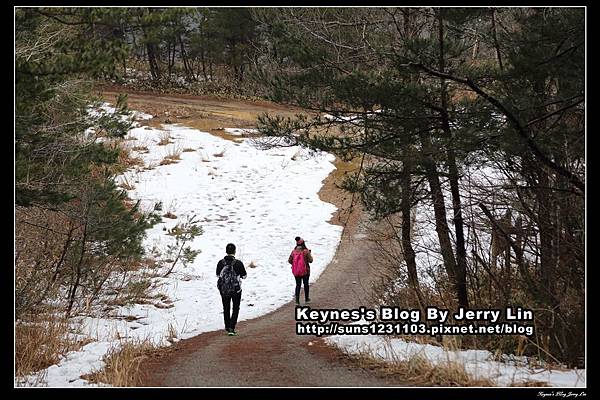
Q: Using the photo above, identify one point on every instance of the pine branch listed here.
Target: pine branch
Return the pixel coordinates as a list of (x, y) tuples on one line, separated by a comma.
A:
[(521, 129)]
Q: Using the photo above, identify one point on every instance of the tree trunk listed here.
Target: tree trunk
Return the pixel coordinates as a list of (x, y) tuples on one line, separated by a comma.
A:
[(461, 252), (407, 249), (546, 226), (152, 62), (78, 269), (242, 65), (441, 222), (171, 48), (203, 62), (151, 52), (495, 37), (186, 66)]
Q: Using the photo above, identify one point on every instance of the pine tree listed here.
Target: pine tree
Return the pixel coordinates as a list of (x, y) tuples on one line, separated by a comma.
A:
[(61, 166), (422, 95)]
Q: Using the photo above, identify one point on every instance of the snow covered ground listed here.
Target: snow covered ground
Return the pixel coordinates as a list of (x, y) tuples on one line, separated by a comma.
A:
[(259, 200), (240, 132), (478, 363)]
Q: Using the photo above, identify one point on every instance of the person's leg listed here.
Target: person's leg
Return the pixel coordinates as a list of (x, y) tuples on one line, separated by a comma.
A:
[(237, 298), (305, 281), (298, 283), (226, 317)]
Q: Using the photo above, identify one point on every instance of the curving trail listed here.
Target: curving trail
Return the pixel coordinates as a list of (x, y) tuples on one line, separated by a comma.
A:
[(267, 351)]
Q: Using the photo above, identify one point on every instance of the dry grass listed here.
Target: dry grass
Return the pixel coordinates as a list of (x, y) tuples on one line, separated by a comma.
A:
[(165, 139), (204, 157), (188, 150), (125, 159), (140, 149), (134, 292), (529, 384), (297, 155), (170, 159), (167, 161), (126, 184), (162, 297), (173, 155), (220, 154), (141, 290), (420, 371), (171, 334), (122, 364), (150, 166), (40, 342), (170, 215), (39, 241)]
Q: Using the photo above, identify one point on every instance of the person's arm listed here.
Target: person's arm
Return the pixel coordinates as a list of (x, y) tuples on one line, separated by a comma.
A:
[(241, 270), (219, 267), (308, 256), (291, 258)]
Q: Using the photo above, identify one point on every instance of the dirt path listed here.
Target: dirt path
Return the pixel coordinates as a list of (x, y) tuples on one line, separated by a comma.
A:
[(267, 352), (206, 113)]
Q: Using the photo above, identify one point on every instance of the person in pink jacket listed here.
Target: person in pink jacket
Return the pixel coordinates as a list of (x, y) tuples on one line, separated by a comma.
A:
[(300, 258)]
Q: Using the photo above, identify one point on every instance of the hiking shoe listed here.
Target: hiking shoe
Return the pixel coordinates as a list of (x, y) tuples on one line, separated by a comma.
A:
[(232, 333), (307, 301)]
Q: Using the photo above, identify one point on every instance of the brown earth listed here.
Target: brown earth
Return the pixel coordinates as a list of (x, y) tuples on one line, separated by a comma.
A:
[(206, 113), (267, 352)]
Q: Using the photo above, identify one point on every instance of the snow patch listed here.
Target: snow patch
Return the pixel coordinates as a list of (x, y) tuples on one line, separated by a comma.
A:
[(478, 363), (240, 132), (258, 199)]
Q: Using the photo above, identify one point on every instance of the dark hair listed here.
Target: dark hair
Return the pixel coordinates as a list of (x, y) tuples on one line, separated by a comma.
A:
[(300, 242), (230, 248)]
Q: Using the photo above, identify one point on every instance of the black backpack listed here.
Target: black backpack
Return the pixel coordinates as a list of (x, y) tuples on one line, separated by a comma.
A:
[(228, 282)]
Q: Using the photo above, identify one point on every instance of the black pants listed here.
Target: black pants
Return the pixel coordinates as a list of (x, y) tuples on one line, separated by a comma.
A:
[(231, 319), (299, 281)]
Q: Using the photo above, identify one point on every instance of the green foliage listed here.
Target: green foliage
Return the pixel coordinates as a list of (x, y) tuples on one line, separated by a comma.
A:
[(188, 255), (71, 44), (65, 152), (115, 227), (431, 92), (546, 73), (52, 61), (183, 233)]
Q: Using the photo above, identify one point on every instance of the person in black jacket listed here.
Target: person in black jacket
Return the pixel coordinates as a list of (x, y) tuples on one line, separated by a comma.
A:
[(240, 271)]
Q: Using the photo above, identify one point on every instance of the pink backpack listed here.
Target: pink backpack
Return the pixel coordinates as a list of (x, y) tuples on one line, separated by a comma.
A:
[(298, 263)]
